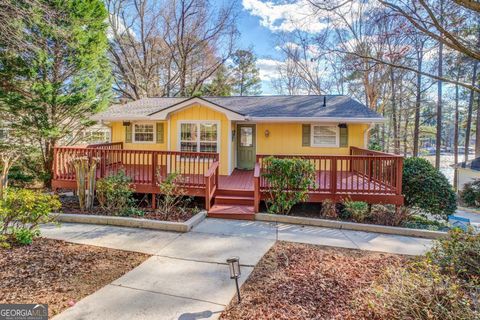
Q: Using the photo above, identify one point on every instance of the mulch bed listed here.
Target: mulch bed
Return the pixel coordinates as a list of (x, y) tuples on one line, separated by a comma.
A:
[(300, 281), (70, 205), (59, 273)]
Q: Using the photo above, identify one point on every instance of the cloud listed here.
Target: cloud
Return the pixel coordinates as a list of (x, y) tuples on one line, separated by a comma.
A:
[(285, 16), (268, 69)]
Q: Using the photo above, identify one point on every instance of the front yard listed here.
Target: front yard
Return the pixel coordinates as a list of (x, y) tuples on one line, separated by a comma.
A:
[(59, 273), (301, 281)]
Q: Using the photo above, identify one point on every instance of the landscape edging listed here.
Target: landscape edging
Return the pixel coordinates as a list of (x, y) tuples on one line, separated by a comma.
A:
[(429, 234), (132, 222)]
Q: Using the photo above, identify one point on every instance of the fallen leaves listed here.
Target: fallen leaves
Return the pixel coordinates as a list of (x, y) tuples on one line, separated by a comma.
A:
[(59, 273), (299, 281)]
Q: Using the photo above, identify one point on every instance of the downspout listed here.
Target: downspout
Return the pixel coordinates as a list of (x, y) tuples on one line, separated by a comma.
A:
[(366, 133)]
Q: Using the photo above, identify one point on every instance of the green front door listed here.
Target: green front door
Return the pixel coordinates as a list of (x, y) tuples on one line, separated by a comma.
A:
[(246, 146)]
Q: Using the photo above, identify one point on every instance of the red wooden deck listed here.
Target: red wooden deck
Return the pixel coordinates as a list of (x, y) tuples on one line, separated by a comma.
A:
[(363, 175)]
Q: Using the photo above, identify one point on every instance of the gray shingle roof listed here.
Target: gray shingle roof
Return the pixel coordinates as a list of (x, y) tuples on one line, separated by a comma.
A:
[(307, 106)]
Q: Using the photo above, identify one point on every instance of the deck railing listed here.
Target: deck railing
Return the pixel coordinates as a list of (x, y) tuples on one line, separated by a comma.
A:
[(362, 172), (144, 167)]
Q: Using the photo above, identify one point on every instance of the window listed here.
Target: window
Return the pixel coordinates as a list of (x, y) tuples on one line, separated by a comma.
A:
[(199, 137), (324, 136), (143, 133)]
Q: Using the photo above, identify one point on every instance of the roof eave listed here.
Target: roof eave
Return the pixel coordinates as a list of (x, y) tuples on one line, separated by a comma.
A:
[(317, 119)]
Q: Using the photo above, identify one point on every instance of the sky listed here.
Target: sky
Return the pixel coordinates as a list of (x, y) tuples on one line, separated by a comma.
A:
[(259, 23)]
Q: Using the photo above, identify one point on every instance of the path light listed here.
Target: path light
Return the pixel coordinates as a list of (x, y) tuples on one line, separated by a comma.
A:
[(234, 266)]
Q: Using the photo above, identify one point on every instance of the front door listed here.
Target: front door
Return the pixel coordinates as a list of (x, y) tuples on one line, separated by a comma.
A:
[(246, 146)]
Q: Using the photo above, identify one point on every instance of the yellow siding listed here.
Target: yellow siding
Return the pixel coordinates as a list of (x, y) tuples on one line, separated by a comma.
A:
[(118, 135), (197, 112), (286, 138)]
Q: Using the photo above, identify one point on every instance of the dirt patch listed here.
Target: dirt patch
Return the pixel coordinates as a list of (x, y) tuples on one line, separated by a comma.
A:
[(299, 281), (59, 273), (70, 205)]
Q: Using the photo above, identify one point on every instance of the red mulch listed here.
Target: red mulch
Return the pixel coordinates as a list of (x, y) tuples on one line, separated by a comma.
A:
[(59, 273), (300, 281)]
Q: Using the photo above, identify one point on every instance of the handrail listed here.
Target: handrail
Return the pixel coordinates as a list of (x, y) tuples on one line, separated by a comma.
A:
[(372, 152), (106, 145), (256, 187), (211, 184)]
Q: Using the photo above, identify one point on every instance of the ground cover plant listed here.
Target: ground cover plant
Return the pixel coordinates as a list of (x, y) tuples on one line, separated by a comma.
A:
[(59, 273)]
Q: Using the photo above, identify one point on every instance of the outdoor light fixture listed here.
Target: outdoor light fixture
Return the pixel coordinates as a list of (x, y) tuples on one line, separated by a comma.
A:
[(267, 133), (234, 266)]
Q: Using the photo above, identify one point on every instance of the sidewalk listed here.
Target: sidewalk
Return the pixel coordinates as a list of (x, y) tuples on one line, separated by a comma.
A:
[(187, 278)]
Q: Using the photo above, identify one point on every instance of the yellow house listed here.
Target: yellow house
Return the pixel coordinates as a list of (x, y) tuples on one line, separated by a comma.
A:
[(215, 143)]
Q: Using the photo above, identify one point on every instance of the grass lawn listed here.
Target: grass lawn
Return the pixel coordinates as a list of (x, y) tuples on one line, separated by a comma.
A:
[(59, 273), (300, 281)]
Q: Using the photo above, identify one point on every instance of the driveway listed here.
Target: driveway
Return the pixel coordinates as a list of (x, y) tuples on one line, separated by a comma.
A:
[(187, 277)]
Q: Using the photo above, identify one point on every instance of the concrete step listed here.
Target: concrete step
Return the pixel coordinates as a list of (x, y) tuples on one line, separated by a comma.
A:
[(238, 212)]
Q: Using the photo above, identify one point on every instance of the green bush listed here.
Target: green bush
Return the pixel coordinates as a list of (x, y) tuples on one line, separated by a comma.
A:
[(281, 175), (427, 189), (470, 194), (458, 255), (21, 212), (357, 210), (115, 195), (422, 222), (418, 291)]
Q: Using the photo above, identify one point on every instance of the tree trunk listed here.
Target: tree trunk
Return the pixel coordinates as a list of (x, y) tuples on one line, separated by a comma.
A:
[(396, 147), (438, 142), (455, 139), (477, 127), (470, 111), (418, 99)]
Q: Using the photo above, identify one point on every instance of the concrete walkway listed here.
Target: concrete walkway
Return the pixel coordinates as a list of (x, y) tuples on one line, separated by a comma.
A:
[(187, 278)]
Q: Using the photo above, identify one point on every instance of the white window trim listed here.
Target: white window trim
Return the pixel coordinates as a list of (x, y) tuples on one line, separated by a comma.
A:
[(145, 123), (337, 136), (198, 122)]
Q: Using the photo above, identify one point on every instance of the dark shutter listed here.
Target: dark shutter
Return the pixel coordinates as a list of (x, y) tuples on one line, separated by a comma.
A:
[(128, 133), (305, 135), (344, 137), (160, 132)]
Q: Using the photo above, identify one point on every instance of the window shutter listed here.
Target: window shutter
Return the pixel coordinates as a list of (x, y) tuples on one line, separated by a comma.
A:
[(128, 133), (305, 135), (160, 132), (344, 137)]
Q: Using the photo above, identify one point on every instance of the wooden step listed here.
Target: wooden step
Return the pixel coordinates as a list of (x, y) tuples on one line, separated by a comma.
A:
[(234, 200), (234, 192), (238, 212)]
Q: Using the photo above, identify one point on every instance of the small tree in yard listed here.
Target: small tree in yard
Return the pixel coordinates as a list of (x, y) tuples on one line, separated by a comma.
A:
[(85, 173), (427, 189), (289, 181)]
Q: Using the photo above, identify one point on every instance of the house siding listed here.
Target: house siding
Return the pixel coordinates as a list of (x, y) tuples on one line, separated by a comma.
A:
[(284, 138)]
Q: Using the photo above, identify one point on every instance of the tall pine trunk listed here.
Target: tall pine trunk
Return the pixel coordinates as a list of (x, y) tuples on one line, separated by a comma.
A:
[(438, 142), (470, 110), (418, 99), (455, 137)]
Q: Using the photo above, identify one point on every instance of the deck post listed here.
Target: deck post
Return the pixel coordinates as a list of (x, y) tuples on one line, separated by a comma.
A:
[(256, 188), (154, 168), (154, 201), (399, 175), (333, 175)]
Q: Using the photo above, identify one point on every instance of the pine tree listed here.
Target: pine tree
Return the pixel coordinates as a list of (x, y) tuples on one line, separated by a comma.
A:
[(221, 84), (58, 74), (246, 79)]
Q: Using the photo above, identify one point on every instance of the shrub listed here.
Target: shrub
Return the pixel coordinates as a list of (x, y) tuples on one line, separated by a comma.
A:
[(470, 194), (329, 209), (458, 255), (422, 222), (22, 210), (427, 189), (294, 174), (418, 291), (357, 210), (173, 197), (115, 195), (388, 215)]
